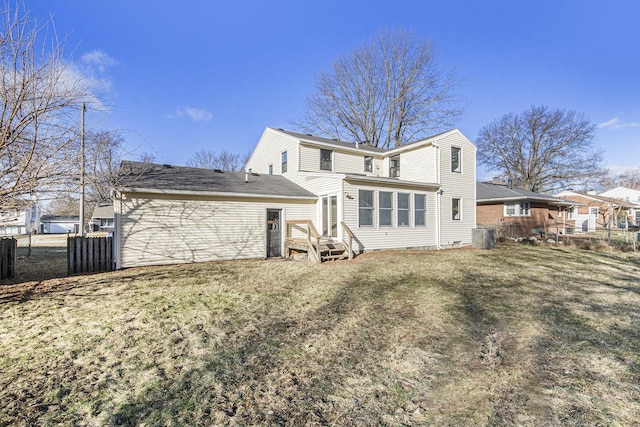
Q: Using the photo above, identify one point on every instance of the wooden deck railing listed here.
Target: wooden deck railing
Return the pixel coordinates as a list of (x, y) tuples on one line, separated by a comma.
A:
[(348, 243), (313, 237)]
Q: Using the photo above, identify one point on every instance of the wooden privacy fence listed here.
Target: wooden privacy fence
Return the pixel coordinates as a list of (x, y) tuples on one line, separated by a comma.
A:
[(8, 250), (89, 254)]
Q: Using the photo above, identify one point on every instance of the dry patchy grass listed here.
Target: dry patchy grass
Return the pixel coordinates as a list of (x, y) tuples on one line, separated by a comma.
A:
[(520, 335)]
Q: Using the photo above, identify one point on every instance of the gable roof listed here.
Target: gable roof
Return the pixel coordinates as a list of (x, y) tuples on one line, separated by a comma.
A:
[(487, 192), (138, 177), (316, 140), (105, 211)]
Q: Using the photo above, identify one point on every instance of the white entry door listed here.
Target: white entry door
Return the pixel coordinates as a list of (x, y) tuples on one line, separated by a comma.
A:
[(329, 216)]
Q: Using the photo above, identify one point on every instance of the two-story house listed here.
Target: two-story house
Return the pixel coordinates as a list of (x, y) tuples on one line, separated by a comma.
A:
[(420, 195), (22, 219)]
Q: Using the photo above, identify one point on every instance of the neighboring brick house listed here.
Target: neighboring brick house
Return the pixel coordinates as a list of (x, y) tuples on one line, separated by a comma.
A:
[(520, 213), (595, 211)]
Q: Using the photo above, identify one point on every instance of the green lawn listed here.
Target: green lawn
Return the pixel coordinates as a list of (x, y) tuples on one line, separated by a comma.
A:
[(519, 335)]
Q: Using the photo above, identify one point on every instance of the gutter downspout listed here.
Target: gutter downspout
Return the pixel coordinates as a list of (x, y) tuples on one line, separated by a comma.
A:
[(438, 198)]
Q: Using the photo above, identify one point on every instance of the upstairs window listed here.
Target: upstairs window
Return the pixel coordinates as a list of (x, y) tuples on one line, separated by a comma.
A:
[(284, 161), (385, 208), (368, 164), (456, 164), (325, 160), (365, 208), (403, 209), (394, 166)]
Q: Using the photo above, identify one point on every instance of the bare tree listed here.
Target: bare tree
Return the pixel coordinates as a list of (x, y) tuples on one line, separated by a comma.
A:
[(386, 93), (629, 179), (104, 153), (66, 205), (40, 99), (225, 160), (541, 149)]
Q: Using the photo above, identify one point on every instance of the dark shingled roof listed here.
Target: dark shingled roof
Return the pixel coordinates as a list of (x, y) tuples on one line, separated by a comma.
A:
[(488, 192), (335, 142), (150, 177), (104, 211), (352, 145)]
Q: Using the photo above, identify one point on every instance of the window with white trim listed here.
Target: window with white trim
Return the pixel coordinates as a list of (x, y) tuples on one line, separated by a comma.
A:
[(456, 164), (456, 209), (365, 208), (368, 163), (326, 164), (284, 161), (419, 210), (385, 209), (403, 210), (517, 209), (394, 166)]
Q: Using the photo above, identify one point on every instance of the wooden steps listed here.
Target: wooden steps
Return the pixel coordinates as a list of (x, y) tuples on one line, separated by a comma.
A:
[(316, 247), (333, 251)]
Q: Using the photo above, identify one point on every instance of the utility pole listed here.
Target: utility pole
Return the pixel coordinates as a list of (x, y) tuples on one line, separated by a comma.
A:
[(81, 219)]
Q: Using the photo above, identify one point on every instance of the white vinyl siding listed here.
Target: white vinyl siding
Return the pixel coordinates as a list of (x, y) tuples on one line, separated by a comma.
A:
[(309, 159), (269, 151), (164, 230), (374, 237), (459, 185), (419, 165)]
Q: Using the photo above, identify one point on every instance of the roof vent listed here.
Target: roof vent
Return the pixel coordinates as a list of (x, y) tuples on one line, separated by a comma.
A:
[(168, 166), (218, 171)]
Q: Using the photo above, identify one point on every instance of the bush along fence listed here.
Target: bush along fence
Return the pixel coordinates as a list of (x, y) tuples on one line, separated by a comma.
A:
[(89, 254), (8, 251)]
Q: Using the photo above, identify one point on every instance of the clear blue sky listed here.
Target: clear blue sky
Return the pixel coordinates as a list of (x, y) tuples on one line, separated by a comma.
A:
[(192, 75)]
